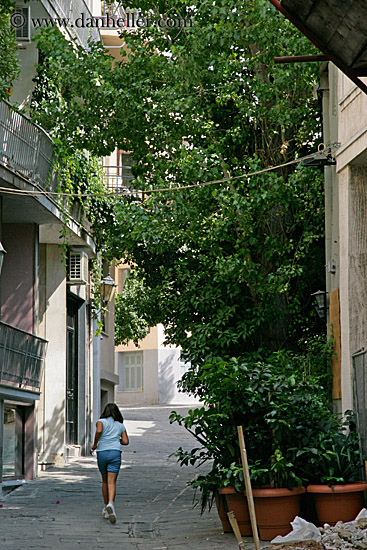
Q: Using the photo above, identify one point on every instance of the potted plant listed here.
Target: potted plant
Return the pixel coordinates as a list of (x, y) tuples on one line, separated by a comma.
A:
[(279, 409), (333, 466)]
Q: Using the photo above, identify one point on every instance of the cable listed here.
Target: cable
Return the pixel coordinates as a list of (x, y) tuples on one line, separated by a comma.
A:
[(20, 192)]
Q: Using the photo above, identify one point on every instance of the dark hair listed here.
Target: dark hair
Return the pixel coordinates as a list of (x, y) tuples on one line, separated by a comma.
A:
[(112, 410)]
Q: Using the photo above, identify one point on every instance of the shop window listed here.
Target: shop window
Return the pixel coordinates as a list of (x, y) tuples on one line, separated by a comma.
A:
[(13, 442)]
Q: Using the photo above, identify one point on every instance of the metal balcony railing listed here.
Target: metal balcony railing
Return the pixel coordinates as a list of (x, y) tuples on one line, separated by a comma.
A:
[(26, 148), (73, 9), (113, 8), (119, 180), (21, 358)]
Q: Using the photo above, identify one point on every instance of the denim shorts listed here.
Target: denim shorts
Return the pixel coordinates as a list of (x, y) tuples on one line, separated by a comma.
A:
[(109, 461)]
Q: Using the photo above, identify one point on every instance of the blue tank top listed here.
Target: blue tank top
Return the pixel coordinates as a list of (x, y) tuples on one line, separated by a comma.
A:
[(110, 438)]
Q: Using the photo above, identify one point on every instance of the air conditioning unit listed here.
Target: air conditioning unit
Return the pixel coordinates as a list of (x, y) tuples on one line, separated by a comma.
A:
[(21, 21), (78, 268)]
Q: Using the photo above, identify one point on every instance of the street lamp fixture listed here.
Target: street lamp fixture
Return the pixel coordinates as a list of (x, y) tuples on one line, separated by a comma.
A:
[(320, 303), (319, 161), (107, 288), (2, 255)]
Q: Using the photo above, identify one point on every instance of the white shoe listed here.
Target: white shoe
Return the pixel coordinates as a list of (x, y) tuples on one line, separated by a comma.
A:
[(111, 512), (105, 513)]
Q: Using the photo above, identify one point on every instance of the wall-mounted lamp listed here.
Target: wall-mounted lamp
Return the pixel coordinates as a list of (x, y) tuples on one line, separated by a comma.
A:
[(107, 288), (319, 161), (320, 303), (2, 255)]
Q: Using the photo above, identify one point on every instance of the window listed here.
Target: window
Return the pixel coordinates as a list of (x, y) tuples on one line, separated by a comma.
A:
[(10, 442), (125, 274), (132, 371), (126, 162), (122, 275), (22, 23)]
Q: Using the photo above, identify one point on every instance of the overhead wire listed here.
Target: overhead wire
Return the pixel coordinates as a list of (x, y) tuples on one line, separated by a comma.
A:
[(229, 179)]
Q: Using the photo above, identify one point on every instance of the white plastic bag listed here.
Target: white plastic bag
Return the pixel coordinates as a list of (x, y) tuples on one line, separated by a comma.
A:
[(301, 530), (362, 514)]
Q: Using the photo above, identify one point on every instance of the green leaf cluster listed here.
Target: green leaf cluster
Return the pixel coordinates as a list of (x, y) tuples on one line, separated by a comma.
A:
[(129, 324), (292, 436), (9, 62), (228, 268)]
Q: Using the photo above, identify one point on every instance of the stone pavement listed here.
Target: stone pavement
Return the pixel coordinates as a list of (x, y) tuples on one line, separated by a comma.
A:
[(62, 508)]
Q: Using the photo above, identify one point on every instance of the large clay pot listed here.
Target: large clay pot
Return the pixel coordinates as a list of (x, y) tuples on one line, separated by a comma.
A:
[(222, 510), (339, 502), (237, 503), (275, 509)]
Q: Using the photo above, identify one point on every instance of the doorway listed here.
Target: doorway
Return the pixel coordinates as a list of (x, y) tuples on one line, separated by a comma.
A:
[(72, 372)]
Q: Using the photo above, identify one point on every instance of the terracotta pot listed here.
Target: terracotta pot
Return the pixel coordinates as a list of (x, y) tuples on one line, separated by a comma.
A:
[(275, 509), (222, 510), (237, 503), (339, 502)]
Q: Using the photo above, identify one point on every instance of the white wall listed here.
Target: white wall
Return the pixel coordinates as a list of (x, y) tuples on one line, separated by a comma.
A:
[(170, 371), (149, 395), (51, 412), (23, 87)]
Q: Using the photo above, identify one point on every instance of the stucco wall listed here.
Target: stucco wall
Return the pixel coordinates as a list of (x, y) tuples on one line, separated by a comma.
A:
[(170, 371), (51, 409), (28, 57), (356, 255), (352, 197), (149, 395), (352, 102)]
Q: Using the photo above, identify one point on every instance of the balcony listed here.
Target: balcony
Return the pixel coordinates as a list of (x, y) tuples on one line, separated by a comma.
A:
[(114, 9), (118, 179), (73, 9), (26, 148), (21, 358)]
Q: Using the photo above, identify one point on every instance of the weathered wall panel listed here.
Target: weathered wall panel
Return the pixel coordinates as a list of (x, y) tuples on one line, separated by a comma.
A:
[(334, 311), (358, 257)]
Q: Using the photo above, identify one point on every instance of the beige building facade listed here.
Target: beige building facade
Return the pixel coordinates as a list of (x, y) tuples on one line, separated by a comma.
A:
[(54, 373)]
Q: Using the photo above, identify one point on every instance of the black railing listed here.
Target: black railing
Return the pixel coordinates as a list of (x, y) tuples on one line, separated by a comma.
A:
[(21, 358)]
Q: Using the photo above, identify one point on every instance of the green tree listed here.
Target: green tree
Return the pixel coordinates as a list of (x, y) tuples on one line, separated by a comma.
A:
[(130, 323), (227, 268), (9, 62)]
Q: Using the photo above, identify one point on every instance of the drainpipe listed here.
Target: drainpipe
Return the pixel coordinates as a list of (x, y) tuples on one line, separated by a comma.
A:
[(324, 89), (330, 135)]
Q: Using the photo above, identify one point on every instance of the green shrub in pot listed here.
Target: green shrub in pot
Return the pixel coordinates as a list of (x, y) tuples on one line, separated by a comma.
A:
[(332, 457), (280, 408)]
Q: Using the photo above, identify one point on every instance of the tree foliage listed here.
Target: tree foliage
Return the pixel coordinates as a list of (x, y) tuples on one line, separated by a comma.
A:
[(130, 320), (9, 62), (227, 268)]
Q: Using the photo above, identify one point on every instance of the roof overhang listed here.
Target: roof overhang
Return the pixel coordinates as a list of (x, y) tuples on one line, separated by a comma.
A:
[(337, 27)]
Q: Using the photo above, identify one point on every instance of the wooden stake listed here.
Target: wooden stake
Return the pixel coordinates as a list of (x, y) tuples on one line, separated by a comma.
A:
[(250, 498), (236, 529)]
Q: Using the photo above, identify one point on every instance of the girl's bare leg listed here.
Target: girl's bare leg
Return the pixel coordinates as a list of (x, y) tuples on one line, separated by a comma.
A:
[(105, 488), (111, 484)]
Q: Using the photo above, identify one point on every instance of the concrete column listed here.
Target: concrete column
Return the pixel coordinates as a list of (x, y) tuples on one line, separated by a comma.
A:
[(29, 438), (51, 412)]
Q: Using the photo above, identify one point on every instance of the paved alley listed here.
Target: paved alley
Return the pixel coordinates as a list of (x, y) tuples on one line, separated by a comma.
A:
[(62, 508)]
